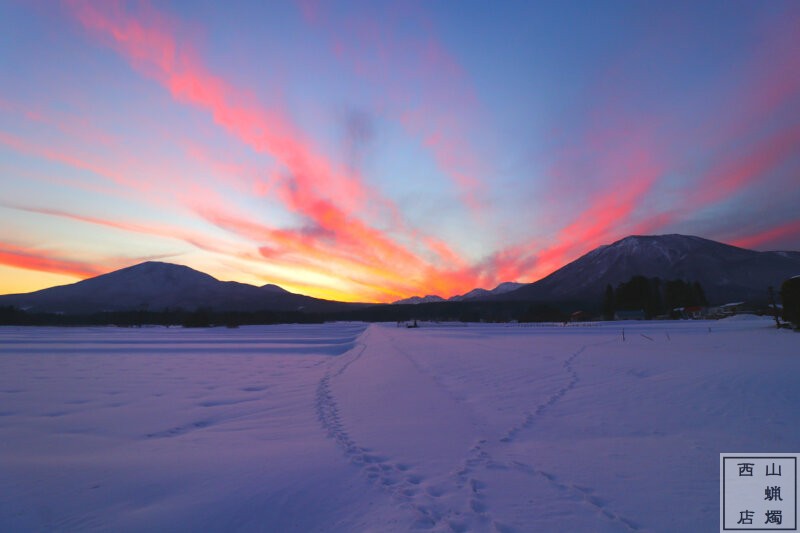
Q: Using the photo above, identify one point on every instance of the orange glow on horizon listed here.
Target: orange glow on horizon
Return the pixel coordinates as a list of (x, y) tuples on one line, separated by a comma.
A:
[(18, 280)]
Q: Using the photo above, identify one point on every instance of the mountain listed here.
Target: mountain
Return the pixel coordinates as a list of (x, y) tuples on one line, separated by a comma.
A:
[(156, 286), (726, 273), (474, 294), (430, 298), (482, 294), (272, 288), (507, 286)]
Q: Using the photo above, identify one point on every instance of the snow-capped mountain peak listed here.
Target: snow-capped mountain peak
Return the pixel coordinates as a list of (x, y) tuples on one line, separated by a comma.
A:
[(477, 294), (157, 286), (429, 298), (507, 286), (725, 272)]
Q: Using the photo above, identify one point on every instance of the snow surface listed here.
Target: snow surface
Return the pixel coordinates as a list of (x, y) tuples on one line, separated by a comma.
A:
[(348, 427)]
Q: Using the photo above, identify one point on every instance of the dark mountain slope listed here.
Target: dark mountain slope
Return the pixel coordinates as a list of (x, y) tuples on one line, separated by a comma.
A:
[(155, 286), (727, 273)]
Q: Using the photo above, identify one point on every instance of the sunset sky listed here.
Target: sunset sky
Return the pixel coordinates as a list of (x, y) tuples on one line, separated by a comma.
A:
[(371, 150)]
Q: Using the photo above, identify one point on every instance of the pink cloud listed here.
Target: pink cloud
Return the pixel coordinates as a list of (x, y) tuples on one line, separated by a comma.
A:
[(25, 147), (624, 156), (150, 42), (769, 236), (203, 242), (734, 174), (45, 261)]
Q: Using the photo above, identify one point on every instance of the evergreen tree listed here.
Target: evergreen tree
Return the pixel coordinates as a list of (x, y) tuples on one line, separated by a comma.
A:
[(608, 303), (655, 297), (640, 293), (699, 295), (790, 296), (653, 304)]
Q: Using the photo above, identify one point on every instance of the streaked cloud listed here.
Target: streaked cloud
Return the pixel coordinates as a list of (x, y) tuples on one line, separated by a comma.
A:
[(371, 154)]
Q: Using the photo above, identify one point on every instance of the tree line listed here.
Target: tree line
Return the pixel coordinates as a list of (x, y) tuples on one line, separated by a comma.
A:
[(482, 311), (652, 296)]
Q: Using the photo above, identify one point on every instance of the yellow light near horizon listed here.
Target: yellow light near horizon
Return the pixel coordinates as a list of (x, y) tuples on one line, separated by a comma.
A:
[(310, 283), (15, 280), (324, 293)]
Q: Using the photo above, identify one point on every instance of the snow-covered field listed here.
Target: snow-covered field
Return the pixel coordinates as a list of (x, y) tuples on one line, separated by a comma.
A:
[(349, 427)]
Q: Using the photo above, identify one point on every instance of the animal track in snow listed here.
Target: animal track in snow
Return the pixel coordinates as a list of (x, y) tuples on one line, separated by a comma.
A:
[(180, 430), (531, 417), (582, 493), (430, 500)]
